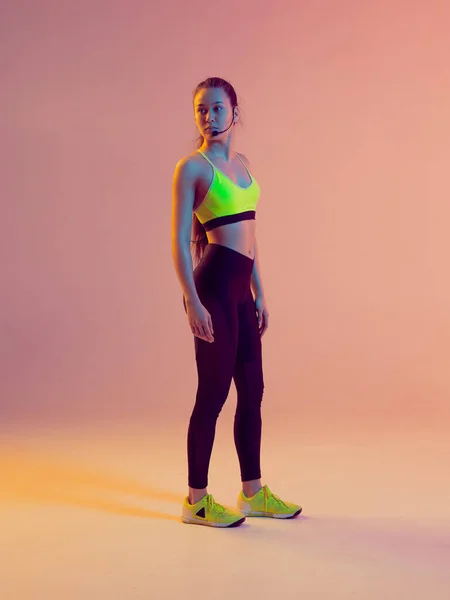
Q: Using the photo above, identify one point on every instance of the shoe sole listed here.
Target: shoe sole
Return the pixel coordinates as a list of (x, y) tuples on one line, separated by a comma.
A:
[(192, 521), (272, 515)]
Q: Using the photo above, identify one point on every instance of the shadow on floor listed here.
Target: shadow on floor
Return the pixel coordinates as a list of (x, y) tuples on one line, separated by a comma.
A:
[(29, 479)]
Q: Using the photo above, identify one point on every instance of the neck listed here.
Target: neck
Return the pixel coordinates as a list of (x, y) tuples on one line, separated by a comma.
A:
[(218, 149)]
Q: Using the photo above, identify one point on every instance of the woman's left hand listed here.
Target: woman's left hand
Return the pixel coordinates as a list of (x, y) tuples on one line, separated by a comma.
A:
[(262, 313)]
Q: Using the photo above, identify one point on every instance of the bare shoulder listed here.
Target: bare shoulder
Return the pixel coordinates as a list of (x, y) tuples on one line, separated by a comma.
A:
[(192, 158), (189, 164)]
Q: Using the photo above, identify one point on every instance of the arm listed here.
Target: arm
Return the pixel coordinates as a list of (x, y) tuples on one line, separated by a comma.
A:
[(262, 311), (183, 194), (256, 283)]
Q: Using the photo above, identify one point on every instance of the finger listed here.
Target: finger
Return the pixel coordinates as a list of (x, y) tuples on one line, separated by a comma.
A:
[(201, 333), (210, 323), (210, 326), (264, 325), (196, 330), (204, 329), (201, 336), (259, 317)]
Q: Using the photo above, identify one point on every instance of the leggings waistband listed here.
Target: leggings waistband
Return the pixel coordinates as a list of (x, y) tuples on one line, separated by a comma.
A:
[(234, 254), (223, 273)]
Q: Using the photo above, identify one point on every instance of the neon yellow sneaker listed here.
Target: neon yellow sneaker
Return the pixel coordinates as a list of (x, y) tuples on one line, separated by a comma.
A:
[(266, 504), (208, 512)]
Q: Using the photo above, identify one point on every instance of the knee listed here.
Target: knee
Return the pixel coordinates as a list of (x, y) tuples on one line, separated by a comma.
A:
[(250, 383), (207, 410)]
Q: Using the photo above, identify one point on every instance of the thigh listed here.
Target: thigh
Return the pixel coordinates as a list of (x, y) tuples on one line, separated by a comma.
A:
[(216, 360), (249, 339), (248, 370)]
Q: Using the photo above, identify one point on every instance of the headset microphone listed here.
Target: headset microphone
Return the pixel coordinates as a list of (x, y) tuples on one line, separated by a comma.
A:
[(216, 133)]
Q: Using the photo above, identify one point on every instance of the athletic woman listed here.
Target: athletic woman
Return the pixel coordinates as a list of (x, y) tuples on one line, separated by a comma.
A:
[(214, 199)]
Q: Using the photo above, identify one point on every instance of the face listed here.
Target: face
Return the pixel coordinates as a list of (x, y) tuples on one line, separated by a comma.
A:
[(212, 110)]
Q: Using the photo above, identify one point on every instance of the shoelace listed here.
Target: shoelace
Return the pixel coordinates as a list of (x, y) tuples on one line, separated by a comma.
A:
[(268, 494), (213, 506)]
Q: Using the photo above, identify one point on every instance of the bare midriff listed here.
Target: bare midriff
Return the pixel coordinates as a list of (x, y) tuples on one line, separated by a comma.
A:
[(238, 236)]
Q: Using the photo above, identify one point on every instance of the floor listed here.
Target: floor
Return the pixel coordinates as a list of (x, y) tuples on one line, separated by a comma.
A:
[(89, 512)]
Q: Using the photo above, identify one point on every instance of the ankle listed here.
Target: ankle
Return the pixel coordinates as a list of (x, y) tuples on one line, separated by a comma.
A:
[(194, 500), (251, 490), (195, 495)]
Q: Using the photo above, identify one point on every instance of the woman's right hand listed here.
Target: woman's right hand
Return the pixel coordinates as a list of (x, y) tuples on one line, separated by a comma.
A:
[(200, 321)]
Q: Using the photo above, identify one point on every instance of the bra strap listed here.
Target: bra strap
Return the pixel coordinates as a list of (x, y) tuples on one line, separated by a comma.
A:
[(214, 166), (239, 157), (204, 156)]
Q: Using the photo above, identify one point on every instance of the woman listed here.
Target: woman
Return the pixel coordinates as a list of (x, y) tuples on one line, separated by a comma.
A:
[(215, 197)]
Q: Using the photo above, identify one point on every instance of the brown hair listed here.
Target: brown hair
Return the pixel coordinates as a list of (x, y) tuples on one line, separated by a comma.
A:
[(199, 240)]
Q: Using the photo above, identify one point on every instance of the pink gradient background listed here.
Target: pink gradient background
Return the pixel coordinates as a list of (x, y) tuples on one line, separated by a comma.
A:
[(346, 123), (347, 126)]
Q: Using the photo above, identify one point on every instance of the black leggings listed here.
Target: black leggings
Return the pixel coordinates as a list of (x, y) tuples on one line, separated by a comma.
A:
[(222, 279)]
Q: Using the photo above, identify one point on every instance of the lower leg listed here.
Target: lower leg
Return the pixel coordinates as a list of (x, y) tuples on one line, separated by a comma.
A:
[(249, 380), (200, 440), (201, 435), (247, 435), (252, 487)]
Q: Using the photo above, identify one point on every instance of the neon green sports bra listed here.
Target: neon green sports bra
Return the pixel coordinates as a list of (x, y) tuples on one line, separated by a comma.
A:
[(225, 201)]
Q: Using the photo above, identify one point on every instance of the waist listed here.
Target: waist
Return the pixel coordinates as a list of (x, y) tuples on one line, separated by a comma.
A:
[(223, 273), (240, 237)]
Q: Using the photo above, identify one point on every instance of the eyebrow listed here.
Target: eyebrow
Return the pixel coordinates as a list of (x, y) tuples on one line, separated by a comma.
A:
[(218, 102)]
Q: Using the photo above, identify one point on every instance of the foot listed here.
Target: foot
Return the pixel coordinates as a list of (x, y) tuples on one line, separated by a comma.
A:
[(266, 504), (208, 512)]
